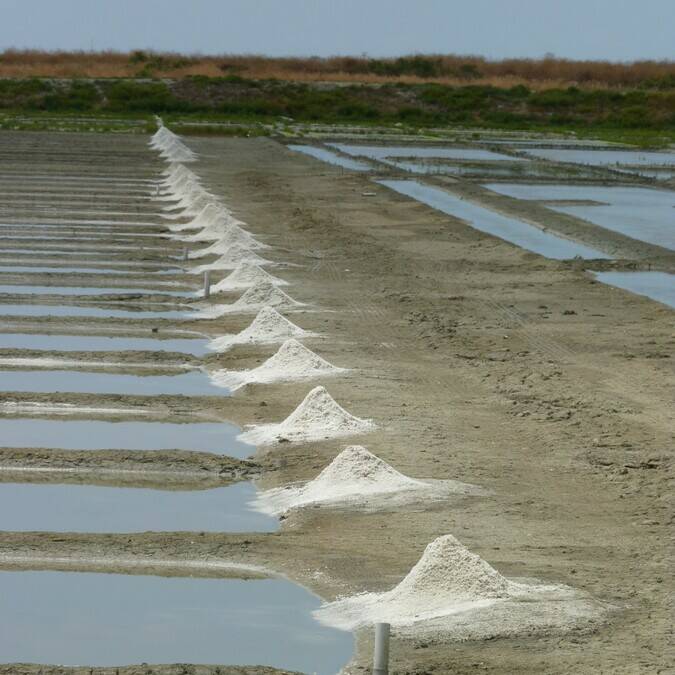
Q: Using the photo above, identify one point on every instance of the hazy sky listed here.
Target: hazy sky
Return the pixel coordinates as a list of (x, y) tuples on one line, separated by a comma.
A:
[(606, 29)]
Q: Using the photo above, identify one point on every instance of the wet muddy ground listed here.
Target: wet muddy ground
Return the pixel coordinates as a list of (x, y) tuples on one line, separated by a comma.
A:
[(480, 362)]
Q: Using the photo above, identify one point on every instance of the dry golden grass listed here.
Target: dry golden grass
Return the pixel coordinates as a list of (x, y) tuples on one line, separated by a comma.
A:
[(445, 69)]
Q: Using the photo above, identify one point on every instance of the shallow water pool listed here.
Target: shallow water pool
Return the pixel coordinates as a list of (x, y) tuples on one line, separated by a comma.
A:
[(331, 157), (89, 290), (515, 231), (640, 213), (193, 383), (604, 157), (72, 618), (76, 310), (95, 343), (659, 286), (380, 152), (47, 507), (216, 437)]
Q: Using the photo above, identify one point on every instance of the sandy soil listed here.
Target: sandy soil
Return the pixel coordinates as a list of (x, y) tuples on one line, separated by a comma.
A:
[(481, 363)]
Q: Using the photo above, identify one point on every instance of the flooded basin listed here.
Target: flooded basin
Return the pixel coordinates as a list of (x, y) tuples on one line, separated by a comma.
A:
[(46, 507), (77, 311), (510, 229), (89, 290), (604, 157), (640, 213), (659, 286), (216, 437), (21, 269), (331, 157), (194, 383), (71, 618), (380, 152), (94, 343)]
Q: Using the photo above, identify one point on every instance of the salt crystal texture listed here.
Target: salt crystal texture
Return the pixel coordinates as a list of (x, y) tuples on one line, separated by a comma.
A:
[(357, 478), (268, 327), (293, 361), (318, 417), (448, 580), (245, 275), (262, 294)]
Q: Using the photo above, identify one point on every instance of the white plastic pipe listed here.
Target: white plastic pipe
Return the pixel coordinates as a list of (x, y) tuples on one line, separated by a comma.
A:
[(207, 283), (381, 658)]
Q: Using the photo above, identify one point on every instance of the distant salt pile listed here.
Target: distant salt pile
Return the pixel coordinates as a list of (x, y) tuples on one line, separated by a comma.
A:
[(211, 214), (263, 294), (245, 275), (232, 259), (224, 228), (268, 327), (193, 201), (292, 362), (358, 478), (174, 150), (233, 236), (162, 135), (318, 417), (183, 188)]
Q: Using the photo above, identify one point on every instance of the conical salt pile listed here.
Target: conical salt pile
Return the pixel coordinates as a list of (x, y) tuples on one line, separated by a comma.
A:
[(232, 259), (268, 327), (209, 215), (246, 274), (316, 418), (448, 579), (226, 228), (355, 475), (293, 361), (233, 236), (262, 294)]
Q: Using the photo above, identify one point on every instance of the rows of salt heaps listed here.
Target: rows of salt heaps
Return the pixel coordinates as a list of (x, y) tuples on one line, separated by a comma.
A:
[(451, 590)]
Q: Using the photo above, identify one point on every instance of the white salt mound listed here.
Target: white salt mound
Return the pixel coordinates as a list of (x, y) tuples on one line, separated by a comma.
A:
[(262, 294), (209, 215), (316, 418), (268, 327), (356, 476), (237, 254), (246, 274), (231, 237), (293, 361), (225, 229), (448, 579)]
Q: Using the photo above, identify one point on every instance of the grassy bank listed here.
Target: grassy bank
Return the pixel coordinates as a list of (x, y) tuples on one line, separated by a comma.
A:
[(644, 115)]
